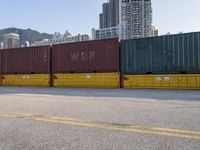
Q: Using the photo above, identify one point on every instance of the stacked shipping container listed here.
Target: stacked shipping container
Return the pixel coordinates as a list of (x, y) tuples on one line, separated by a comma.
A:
[(26, 66), (171, 61), (174, 61), (0, 70), (86, 64)]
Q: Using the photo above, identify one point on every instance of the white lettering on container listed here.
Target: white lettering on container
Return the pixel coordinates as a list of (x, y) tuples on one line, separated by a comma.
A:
[(74, 56), (82, 56)]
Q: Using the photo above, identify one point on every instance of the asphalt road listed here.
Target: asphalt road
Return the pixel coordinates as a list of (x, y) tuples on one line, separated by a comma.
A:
[(99, 119)]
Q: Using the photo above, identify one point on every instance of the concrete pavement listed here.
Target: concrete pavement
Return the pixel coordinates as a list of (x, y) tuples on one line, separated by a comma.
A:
[(105, 119)]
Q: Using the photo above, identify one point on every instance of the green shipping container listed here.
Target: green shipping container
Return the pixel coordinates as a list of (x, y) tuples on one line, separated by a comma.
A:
[(178, 53)]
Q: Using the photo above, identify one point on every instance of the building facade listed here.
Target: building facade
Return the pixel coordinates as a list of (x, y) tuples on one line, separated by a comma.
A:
[(1, 45), (11, 40), (155, 31), (127, 19), (108, 21), (136, 19), (106, 33), (60, 39), (25, 44), (110, 14)]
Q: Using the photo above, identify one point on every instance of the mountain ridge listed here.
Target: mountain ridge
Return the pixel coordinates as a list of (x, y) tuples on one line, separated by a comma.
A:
[(26, 34)]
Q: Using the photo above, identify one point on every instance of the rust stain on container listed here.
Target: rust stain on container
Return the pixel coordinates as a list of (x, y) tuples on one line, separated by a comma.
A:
[(32, 60), (90, 56)]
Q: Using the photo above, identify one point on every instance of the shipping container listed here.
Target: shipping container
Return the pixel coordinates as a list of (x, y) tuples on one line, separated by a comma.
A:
[(32, 60), (163, 81), (91, 56), (31, 80), (87, 80), (0, 67), (0, 80), (165, 54)]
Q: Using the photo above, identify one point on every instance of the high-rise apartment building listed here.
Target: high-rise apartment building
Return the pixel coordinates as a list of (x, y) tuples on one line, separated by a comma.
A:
[(1, 45), (110, 14), (108, 21), (126, 19), (136, 19), (11, 40)]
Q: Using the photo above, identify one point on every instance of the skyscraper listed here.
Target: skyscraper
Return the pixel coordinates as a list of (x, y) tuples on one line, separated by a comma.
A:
[(108, 21), (1, 45), (11, 40), (110, 14), (136, 19), (126, 19)]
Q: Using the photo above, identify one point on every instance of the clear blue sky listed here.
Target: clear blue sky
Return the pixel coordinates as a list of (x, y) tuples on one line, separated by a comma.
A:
[(79, 16)]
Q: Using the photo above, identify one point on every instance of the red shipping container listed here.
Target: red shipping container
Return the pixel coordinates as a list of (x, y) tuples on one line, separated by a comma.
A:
[(31, 60), (83, 57)]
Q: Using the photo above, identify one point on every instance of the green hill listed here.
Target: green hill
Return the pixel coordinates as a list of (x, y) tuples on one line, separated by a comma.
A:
[(26, 35)]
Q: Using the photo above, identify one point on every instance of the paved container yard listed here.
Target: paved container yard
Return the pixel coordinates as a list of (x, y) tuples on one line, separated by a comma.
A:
[(99, 119)]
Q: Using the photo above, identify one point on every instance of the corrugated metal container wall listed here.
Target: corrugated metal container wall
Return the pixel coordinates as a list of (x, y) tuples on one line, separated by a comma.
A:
[(90, 56), (165, 54), (87, 80), (26, 60), (32, 80), (160, 81), (0, 69)]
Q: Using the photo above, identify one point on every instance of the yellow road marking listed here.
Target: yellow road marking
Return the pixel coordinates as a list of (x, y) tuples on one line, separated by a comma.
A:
[(175, 130), (32, 115), (122, 129), (89, 123), (166, 129)]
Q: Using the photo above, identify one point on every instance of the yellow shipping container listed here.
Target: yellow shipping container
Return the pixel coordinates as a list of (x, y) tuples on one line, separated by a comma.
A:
[(32, 80), (0, 80), (87, 80), (167, 81)]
